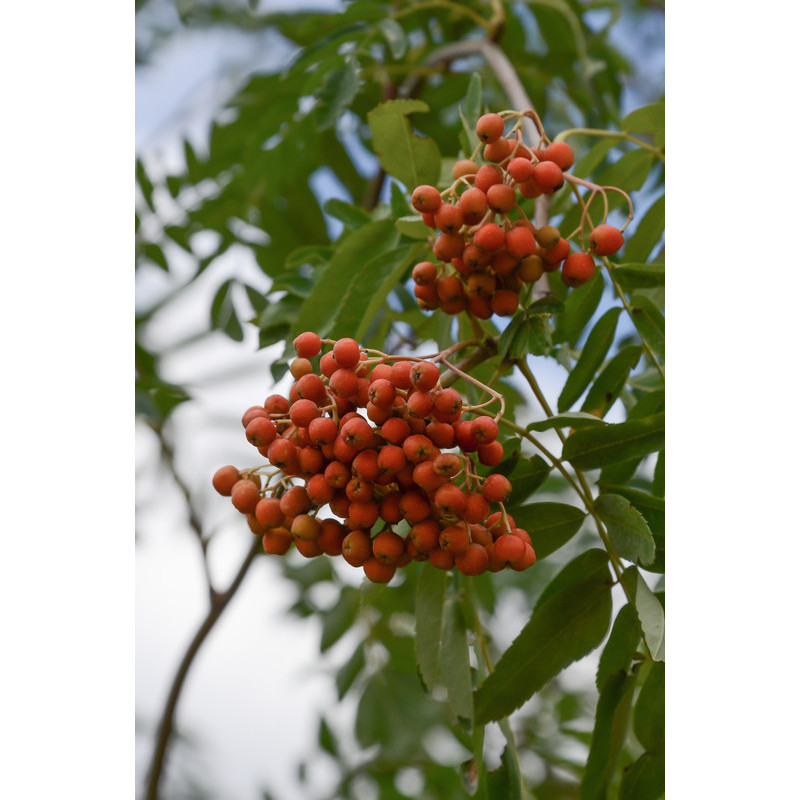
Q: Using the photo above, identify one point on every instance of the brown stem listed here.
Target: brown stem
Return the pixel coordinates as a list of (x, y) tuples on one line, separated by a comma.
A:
[(165, 728)]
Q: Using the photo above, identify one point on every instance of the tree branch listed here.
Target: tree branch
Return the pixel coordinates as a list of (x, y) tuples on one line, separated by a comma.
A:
[(166, 725)]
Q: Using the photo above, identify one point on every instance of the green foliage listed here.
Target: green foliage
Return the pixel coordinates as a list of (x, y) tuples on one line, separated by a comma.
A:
[(373, 102)]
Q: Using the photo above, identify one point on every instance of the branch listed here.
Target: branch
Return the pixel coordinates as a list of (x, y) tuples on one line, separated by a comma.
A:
[(165, 728)]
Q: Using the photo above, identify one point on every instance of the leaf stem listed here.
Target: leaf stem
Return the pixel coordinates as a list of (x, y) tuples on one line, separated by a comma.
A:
[(610, 135)]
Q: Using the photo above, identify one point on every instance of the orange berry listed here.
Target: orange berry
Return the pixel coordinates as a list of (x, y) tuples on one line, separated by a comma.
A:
[(464, 167), (377, 571), (307, 345), (426, 199), (473, 561), (577, 269), (225, 478), (490, 128), (605, 240)]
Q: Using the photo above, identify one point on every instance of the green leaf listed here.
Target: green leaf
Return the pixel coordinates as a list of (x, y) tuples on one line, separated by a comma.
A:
[(413, 227), (325, 738), (535, 338), (646, 119), (223, 312), (368, 291), (578, 310), (352, 216), (333, 281), (611, 380), (155, 254), (337, 93), (567, 626), (649, 322), (595, 447), (620, 648), (454, 659), (608, 737), (350, 671), (638, 276), (649, 611), (257, 299), (594, 351), (569, 419), (526, 477), (313, 254), (411, 159), (395, 36), (648, 233), (649, 715), (507, 336), (644, 779), (659, 476), (627, 528), (587, 165), (145, 184), (628, 173), (337, 621), (429, 612), (580, 568), (550, 525)]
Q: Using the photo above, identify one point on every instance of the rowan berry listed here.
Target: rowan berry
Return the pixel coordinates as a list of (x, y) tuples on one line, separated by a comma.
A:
[(509, 549), (559, 153), (440, 433), (479, 307), (347, 353), (277, 541), (419, 404), (450, 499), (488, 175), (419, 447), (548, 176), (424, 376), (305, 527), (531, 268), (300, 367), (449, 218), (401, 374), (302, 412), (425, 535), (553, 256), (224, 479), (252, 413), (424, 272), (388, 546), (427, 296), (282, 454), (454, 538), (331, 536), (473, 205), (356, 547), (490, 454), (307, 345), (319, 490), (426, 199), (496, 488), (497, 151), (577, 269), (339, 504), (450, 289), (395, 430), (605, 240), (520, 169), (447, 246), (377, 571), (489, 128), (476, 509), (363, 514), (327, 364), (463, 167), (504, 302), (489, 237), (344, 383), (447, 405), (484, 429), (414, 506), (520, 242), (472, 561), (245, 496), (389, 508), (547, 236), (310, 460), (441, 559), (501, 198), (309, 548), (294, 501), (426, 477)]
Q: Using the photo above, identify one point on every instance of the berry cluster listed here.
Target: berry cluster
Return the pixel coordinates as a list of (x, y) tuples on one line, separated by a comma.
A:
[(378, 441), (492, 248)]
